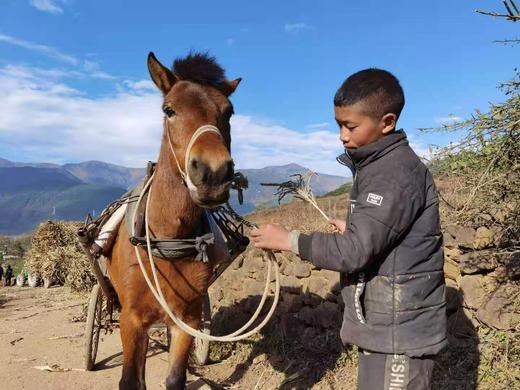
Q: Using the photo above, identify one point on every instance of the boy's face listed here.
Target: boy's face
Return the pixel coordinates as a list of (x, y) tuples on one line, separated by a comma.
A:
[(357, 128)]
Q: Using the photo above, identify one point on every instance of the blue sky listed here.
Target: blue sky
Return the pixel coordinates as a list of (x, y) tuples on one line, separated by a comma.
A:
[(75, 87)]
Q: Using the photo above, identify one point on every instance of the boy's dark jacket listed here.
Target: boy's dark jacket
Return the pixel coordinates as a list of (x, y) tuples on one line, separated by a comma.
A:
[(391, 251)]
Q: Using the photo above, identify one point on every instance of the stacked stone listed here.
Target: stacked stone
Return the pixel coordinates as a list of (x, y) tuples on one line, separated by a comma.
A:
[(482, 282), (309, 296), (482, 286)]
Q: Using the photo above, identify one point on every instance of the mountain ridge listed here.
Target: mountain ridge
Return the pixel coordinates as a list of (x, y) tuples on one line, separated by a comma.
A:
[(29, 191)]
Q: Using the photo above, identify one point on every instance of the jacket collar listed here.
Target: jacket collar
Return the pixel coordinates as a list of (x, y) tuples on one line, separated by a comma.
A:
[(359, 157)]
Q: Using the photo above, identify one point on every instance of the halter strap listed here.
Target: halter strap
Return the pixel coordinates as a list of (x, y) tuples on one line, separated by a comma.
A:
[(201, 130)]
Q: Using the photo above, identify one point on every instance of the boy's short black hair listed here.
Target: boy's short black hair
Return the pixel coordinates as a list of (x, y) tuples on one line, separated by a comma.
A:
[(378, 89)]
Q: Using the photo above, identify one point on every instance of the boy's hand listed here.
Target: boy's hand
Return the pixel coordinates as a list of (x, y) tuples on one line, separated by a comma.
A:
[(271, 236), (338, 225)]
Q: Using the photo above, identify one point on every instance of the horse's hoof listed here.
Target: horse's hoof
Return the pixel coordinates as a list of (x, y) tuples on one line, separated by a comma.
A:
[(176, 382)]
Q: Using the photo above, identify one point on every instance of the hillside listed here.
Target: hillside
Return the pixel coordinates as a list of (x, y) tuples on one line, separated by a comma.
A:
[(258, 195), (30, 195), (43, 176), (98, 172)]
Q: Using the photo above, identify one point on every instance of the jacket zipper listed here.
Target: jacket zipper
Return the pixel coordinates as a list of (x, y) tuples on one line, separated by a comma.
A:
[(360, 285)]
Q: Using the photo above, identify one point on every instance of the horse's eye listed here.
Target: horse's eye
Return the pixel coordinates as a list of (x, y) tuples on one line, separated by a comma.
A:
[(168, 111)]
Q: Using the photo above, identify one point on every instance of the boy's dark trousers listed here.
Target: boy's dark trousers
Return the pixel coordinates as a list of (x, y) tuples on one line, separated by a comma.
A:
[(378, 371)]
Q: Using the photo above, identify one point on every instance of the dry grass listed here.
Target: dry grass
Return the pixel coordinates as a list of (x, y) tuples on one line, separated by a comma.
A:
[(55, 254)]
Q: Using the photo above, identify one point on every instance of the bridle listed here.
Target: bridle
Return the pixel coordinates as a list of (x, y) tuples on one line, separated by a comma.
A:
[(201, 130)]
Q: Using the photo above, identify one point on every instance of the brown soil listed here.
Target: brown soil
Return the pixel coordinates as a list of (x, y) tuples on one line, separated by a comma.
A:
[(40, 327)]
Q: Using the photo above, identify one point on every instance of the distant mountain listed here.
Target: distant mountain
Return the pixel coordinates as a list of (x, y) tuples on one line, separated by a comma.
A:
[(98, 172), (30, 192), (31, 195), (257, 194)]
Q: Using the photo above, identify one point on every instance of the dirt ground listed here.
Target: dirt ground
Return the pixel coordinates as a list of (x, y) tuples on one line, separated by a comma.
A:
[(37, 328), (40, 327)]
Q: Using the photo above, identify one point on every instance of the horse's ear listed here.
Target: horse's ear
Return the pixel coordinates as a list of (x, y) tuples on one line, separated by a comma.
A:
[(161, 76), (228, 87)]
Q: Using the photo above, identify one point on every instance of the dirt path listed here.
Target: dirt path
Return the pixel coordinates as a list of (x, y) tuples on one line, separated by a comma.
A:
[(37, 329)]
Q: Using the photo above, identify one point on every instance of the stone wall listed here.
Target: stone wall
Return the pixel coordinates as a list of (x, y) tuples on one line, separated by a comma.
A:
[(482, 280), (482, 286)]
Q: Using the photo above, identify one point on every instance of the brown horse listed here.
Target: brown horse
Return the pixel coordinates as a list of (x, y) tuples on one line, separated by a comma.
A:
[(195, 93)]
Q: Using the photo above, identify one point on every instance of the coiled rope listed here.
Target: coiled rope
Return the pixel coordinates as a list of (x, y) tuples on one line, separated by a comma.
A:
[(159, 296)]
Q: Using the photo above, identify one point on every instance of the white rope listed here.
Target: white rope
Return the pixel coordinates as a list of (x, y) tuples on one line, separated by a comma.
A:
[(201, 130), (158, 294)]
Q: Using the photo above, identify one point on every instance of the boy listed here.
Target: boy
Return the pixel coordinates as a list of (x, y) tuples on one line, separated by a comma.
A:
[(390, 249)]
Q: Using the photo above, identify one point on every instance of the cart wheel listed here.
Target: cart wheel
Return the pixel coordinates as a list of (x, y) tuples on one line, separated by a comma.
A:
[(201, 347), (93, 326)]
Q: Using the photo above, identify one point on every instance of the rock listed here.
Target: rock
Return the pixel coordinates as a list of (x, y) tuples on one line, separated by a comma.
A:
[(501, 310), (254, 287), (461, 324), (325, 315), (463, 235), (453, 297), (306, 315), (253, 265), (291, 325), (219, 295), (477, 262), (451, 269), (484, 238), (449, 241), (332, 279), (474, 294), (292, 302), (299, 269), (238, 262), (512, 268), (328, 315), (260, 358), (291, 283), (321, 287), (452, 254)]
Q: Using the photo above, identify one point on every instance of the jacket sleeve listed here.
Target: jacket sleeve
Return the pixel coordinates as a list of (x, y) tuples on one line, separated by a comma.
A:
[(383, 211)]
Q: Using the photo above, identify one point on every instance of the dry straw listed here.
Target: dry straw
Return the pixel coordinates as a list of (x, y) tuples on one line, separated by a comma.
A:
[(55, 254), (300, 188)]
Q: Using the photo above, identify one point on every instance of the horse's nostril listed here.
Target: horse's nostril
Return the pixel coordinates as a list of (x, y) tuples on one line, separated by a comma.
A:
[(194, 163)]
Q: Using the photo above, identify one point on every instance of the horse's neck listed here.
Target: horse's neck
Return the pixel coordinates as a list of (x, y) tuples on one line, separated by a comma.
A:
[(172, 213)]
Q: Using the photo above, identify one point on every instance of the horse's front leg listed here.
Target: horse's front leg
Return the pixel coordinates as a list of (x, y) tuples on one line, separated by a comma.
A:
[(180, 345), (134, 336)]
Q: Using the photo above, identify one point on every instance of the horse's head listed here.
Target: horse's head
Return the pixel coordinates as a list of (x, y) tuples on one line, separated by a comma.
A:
[(197, 113)]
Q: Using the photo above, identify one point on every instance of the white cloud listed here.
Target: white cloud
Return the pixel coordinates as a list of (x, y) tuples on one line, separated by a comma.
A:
[(140, 86), (43, 49), (49, 6), (84, 67), (295, 28), (448, 119), (43, 118), (320, 125)]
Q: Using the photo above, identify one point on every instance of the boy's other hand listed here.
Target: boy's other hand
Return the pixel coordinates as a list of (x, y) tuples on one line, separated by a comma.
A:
[(271, 236), (338, 225)]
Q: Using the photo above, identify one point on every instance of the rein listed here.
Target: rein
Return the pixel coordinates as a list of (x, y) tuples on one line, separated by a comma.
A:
[(201, 130), (159, 296)]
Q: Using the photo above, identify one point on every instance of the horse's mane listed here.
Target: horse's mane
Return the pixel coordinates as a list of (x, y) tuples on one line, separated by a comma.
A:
[(200, 68)]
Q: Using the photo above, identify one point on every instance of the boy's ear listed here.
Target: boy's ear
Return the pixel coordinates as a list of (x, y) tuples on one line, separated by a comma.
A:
[(388, 123), (161, 76)]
